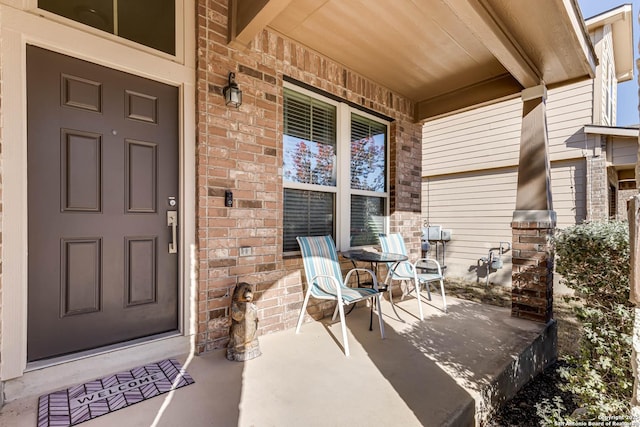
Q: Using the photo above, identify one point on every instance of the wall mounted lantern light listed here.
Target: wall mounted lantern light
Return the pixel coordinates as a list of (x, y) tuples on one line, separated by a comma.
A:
[(232, 93)]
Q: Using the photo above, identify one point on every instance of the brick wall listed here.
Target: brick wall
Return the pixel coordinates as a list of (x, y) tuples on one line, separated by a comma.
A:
[(623, 199), (240, 150), (532, 260), (597, 188)]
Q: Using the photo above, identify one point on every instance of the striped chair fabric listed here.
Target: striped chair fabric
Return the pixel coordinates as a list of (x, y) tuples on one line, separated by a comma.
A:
[(407, 271), (394, 243), (321, 262), (324, 281)]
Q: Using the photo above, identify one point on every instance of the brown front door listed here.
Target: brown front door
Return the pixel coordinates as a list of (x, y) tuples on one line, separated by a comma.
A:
[(102, 174)]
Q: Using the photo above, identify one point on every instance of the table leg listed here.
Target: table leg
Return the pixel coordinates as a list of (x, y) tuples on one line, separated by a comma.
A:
[(390, 277), (373, 301)]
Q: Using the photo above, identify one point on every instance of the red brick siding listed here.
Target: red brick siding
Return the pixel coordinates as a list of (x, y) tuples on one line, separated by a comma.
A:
[(532, 271), (240, 150)]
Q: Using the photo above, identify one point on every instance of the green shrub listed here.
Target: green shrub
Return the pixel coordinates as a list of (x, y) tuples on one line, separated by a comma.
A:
[(593, 259)]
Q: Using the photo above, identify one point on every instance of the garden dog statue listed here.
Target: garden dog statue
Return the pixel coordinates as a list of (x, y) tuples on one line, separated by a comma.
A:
[(243, 342)]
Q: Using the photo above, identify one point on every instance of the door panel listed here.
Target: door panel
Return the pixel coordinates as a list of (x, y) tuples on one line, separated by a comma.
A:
[(102, 165)]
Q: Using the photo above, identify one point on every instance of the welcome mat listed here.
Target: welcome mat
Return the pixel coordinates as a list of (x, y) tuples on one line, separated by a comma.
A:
[(77, 404)]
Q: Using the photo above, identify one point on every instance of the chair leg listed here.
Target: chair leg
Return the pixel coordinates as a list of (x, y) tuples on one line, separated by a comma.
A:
[(380, 316), (417, 290), (335, 312), (403, 290), (302, 311), (345, 342), (426, 285), (393, 306), (444, 299)]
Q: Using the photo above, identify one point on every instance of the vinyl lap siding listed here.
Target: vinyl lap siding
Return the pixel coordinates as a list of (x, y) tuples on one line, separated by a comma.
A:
[(489, 137), (569, 187), (477, 207), (473, 139), (569, 108), (624, 151)]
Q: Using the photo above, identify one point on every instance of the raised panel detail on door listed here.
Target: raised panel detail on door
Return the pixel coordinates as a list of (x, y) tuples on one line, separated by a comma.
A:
[(141, 270), (81, 171), (142, 107), (99, 189), (141, 166), (81, 93), (81, 276)]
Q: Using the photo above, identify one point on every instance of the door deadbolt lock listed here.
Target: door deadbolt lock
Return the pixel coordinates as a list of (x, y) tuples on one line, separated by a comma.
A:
[(172, 201)]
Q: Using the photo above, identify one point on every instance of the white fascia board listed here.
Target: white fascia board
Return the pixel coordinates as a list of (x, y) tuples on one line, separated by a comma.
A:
[(621, 21), (611, 130)]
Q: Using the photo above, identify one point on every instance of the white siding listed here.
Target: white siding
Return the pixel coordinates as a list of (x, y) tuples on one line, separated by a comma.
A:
[(477, 207), (624, 151), (569, 108), (568, 188), (489, 137), (476, 139)]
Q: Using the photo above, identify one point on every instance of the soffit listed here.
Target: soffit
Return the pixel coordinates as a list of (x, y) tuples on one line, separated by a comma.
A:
[(444, 55)]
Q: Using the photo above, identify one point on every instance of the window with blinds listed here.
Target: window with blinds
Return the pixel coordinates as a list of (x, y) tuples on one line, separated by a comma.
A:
[(367, 220), (368, 154), (368, 173), (309, 158), (307, 213), (335, 182), (309, 140)]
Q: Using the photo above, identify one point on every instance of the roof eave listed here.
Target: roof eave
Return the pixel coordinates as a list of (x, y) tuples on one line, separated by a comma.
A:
[(621, 21)]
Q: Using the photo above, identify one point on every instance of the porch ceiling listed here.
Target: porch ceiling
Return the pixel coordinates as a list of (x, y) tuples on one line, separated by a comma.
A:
[(445, 55)]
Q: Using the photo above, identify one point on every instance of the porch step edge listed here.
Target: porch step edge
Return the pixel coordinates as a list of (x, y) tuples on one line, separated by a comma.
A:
[(534, 359)]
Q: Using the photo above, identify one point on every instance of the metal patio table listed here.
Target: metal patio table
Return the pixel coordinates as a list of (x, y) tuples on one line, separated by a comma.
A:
[(374, 259)]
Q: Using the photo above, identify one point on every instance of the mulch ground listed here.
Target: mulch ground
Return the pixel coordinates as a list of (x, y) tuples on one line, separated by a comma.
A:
[(521, 410)]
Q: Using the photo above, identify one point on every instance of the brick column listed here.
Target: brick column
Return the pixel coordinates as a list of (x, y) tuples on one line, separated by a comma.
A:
[(532, 274), (597, 188), (534, 219)]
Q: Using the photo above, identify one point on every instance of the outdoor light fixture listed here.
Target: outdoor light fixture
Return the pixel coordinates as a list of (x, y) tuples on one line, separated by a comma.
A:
[(232, 93)]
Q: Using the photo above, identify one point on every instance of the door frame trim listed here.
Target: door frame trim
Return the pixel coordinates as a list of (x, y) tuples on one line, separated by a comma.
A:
[(17, 29)]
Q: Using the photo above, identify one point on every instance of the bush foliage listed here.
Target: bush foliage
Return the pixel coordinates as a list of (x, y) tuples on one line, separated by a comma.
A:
[(593, 259)]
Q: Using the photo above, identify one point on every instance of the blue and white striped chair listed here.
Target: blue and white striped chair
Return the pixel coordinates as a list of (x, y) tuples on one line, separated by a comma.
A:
[(324, 281), (422, 271)]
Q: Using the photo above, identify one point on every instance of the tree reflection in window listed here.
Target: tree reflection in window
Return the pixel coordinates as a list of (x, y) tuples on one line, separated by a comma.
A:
[(368, 154), (309, 162)]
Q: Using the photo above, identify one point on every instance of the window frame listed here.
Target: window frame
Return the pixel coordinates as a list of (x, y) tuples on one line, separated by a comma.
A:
[(180, 14), (342, 191)]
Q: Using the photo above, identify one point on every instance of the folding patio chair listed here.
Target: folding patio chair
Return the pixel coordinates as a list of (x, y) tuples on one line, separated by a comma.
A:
[(324, 281), (422, 271)]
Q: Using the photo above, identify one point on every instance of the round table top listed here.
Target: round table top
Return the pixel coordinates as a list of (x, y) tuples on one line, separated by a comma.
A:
[(369, 256)]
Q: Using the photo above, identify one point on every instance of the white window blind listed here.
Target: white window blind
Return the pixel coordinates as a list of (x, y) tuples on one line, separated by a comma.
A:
[(334, 171)]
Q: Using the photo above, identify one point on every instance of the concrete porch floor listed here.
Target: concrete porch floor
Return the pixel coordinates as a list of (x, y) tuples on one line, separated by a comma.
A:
[(445, 371)]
